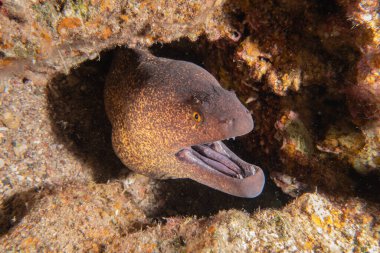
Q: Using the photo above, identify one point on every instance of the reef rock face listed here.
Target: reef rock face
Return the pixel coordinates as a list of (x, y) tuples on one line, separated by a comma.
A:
[(309, 71), (53, 36), (102, 219)]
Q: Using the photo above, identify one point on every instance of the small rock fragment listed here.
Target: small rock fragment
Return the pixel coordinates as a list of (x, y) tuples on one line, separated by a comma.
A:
[(2, 163), (10, 120), (20, 149), (288, 184)]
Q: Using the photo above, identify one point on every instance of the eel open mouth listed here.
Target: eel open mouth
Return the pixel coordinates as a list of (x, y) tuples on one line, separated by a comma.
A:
[(218, 157)]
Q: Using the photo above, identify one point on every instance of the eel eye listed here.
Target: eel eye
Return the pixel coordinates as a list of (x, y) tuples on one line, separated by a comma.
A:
[(197, 117)]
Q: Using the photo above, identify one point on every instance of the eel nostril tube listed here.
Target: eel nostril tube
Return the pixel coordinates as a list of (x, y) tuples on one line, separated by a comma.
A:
[(228, 122)]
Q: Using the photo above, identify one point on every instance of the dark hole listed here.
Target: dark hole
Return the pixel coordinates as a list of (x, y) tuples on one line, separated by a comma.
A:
[(326, 7), (87, 134), (77, 100), (79, 120)]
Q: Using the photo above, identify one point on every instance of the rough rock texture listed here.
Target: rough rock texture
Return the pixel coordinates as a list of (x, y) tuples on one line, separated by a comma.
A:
[(308, 70), (52, 36), (100, 213)]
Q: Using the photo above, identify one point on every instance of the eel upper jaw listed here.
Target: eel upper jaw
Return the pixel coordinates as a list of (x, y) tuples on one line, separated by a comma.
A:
[(216, 160)]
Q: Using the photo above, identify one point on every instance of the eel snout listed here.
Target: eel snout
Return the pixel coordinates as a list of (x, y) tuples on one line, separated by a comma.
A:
[(218, 167)]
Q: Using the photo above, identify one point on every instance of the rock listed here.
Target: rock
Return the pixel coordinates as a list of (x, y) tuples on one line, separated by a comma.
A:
[(10, 120), (20, 149), (289, 185), (87, 215)]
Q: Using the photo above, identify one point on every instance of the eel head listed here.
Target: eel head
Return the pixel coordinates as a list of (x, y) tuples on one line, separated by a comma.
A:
[(216, 114)]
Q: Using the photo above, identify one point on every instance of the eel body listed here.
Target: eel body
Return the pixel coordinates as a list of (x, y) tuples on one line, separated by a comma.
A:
[(169, 118)]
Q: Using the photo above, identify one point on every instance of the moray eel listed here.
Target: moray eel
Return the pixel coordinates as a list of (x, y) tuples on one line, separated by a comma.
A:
[(169, 118)]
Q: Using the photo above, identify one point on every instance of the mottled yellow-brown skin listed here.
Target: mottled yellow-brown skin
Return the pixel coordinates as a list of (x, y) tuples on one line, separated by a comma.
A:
[(151, 103)]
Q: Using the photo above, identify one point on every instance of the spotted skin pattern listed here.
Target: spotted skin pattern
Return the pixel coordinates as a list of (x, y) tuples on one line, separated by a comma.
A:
[(151, 103)]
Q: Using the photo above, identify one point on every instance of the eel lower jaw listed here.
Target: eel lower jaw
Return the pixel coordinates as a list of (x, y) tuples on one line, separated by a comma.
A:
[(218, 161)]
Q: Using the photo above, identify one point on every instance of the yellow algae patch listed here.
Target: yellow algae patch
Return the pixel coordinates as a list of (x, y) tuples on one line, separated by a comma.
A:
[(106, 5), (67, 24), (106, 33), (125, 18)]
